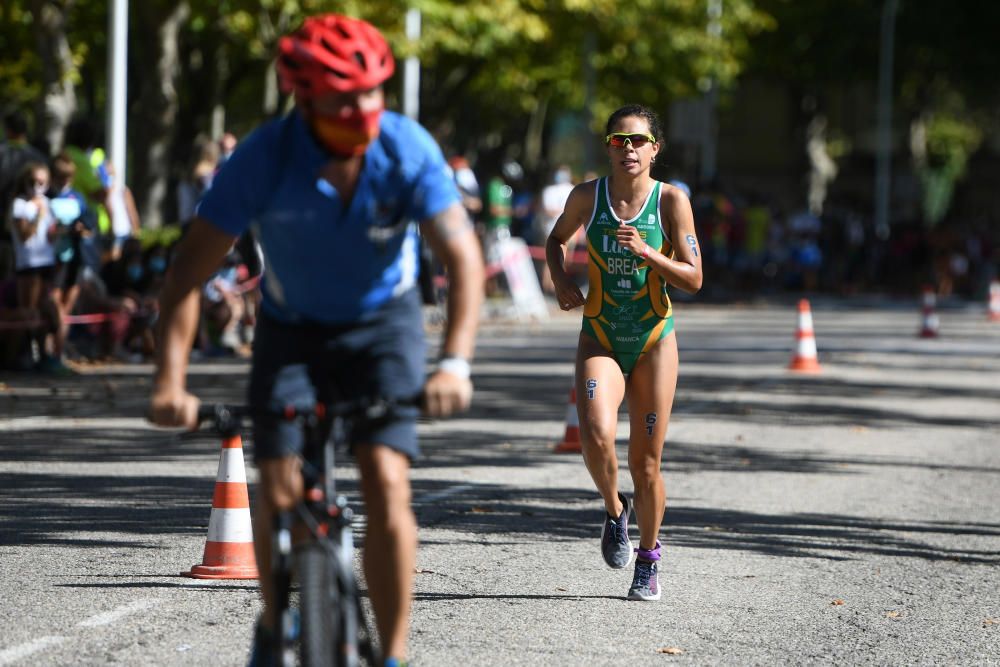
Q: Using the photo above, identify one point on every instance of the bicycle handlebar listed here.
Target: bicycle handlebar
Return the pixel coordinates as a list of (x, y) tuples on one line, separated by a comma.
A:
[(227, 418)]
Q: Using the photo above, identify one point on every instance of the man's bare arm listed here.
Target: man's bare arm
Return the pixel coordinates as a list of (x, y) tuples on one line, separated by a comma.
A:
[(198, 255), (451, 237)]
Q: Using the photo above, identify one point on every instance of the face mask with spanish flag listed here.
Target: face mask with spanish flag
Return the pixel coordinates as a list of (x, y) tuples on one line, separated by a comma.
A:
[(348, 135)]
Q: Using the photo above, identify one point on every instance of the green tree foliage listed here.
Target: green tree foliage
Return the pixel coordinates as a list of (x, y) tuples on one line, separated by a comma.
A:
[(489, 70), (943, 140), (946, 64), (502, 60), (20, 73)]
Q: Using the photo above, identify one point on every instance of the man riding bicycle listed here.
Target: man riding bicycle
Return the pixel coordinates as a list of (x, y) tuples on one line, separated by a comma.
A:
[(331, 190)]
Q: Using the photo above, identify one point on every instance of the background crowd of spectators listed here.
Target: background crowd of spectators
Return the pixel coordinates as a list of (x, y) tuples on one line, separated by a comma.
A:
[(80, 276), (755, 247)]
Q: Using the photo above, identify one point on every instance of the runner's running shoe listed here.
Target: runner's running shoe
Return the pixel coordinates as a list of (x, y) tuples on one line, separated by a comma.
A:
[(615, 545), (645, 582)]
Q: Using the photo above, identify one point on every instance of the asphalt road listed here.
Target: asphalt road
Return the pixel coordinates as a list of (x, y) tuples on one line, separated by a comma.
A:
[(848, 517)]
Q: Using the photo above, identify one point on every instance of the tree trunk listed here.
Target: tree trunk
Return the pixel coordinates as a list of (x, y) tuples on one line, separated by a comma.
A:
[(822, 168), (58, 100), (533, 147), (155, 111)]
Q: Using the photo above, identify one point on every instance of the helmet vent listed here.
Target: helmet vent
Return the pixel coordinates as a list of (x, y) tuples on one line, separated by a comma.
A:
[(327, 44), (333, 53), (339, 75)]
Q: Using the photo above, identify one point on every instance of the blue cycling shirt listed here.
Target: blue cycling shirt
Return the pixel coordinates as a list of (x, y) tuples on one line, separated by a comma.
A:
[(326, 262)]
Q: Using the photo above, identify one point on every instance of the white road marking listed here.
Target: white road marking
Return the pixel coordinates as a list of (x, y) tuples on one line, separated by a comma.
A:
[(441, 495), (21, 651), (115, 614), (78, 423)]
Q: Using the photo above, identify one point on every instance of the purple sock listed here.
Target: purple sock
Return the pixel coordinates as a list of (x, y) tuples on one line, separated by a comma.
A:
[(651, 555)]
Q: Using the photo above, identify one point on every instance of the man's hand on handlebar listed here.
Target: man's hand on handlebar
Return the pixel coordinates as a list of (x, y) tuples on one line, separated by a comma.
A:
[(446, 393), (174, 407)]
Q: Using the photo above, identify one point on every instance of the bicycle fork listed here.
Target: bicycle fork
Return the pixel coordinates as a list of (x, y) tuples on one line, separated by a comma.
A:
[(281, 575), (348, 587)]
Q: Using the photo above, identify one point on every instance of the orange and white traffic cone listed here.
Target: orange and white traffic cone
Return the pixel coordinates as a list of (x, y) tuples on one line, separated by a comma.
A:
[(929, 320), (994, 308), (571, 439), (229, 548), (804, 360)]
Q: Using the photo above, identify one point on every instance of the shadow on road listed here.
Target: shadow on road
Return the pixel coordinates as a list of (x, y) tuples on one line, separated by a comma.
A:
[(487, 512), (69, 509), (44, 499), (449, 597)]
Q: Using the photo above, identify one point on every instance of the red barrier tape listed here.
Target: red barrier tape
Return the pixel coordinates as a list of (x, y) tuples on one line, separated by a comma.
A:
[(574, 257), (536, 252), (88, 318), (97, 318)]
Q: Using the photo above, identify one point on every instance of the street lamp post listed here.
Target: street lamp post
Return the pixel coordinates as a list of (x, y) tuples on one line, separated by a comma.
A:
[(117, 74), (411, 68), (883, 168)]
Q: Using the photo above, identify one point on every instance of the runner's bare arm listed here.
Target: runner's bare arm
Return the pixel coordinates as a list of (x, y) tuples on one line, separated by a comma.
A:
[(198, 255), (579, 206), (684, 271), (451, 237)]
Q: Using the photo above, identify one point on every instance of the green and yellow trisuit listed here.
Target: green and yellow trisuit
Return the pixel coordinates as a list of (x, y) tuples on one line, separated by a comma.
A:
[(627, 309)]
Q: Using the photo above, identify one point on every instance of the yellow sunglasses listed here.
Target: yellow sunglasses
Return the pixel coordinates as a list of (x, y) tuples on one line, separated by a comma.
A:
[(620, 139)]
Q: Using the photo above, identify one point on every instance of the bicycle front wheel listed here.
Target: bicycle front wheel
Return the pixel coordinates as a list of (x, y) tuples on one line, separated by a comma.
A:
[(319, 607)]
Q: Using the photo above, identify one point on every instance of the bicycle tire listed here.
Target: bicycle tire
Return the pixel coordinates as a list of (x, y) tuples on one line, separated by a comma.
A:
[(319, 607)]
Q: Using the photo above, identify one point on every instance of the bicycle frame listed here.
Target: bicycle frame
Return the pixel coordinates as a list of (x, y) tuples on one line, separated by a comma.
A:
[(328, 522)]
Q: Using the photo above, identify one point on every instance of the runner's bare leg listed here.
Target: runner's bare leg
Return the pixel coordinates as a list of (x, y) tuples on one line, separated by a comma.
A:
[(651, 389), (597, 407)]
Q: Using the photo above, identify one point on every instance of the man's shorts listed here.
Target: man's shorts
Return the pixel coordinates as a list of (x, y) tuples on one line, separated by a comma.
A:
[(381, 356)]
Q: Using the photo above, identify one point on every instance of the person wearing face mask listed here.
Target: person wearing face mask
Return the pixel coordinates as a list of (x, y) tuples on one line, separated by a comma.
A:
[(157, 261), (34, 230), (15, 153), (334, 191), (128, 276), (120, 204), (223, 308), (129, 301), (75, 239)]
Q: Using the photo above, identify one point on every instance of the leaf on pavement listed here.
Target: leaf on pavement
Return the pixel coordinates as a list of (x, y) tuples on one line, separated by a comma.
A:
[(991, 621), (894, 614), (837, 602), (670, 650)]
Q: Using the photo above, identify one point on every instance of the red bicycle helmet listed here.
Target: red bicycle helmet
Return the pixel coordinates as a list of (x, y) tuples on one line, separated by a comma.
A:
[(333, 53)]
